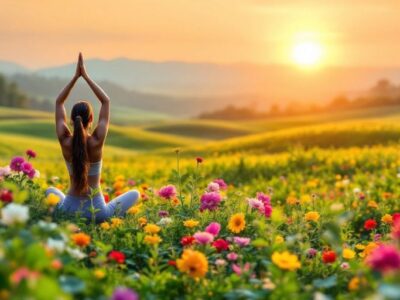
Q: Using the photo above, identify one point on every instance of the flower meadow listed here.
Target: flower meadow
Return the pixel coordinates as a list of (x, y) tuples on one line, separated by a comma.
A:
[(316, 224)]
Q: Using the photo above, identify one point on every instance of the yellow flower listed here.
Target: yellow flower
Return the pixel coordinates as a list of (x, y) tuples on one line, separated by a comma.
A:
[(152, 239), (312, 216), (99, 274), (119, 178), (116, 222), (286, 261), (291, 200), (279, 239), (142, 221), (356, 282), (134, 210), (368, 249), (190, 223), (118, 185), (105, 226), (372, 204), (360, 247), (237, 223), (348, 253), (81, 239), (387, 219), (193, 263), (52, 199), (152, 228), (304, 199)]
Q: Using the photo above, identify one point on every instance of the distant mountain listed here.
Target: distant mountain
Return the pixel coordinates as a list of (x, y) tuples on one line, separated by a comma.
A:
[(190, 88), (8, 68)]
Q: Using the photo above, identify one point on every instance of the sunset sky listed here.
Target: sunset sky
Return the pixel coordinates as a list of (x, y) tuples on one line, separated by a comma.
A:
[(39, 33)]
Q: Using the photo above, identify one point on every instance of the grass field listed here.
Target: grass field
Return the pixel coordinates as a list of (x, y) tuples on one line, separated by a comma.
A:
[(307, 209)]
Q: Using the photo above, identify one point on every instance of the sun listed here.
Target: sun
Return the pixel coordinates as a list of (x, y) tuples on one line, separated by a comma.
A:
[(307, 53)]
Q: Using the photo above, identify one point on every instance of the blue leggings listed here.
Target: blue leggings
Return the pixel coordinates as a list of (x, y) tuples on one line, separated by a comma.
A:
[(79, 204)]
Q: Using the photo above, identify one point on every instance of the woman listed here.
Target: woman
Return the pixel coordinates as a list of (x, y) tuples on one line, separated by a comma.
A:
[(82, 152)]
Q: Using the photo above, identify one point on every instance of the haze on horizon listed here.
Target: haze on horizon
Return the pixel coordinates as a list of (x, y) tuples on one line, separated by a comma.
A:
[(41, 33)]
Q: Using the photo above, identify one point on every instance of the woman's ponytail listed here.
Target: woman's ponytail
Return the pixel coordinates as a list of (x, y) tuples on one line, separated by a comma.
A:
[(80, 159)]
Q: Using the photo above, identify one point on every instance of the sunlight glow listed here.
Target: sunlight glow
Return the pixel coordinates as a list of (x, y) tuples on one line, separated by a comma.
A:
[(307, 53)]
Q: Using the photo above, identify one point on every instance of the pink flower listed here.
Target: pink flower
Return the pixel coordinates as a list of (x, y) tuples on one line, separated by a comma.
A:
[(267, 210), (167, 192), (266, 199), (16, 163), (256, 204), (396, 229), (23, 273), (30, 153), (221, 183), (385, 258), (232, 256), (213, 228), (203, 237), (5, 171), (213, 187), (241, 241), (210, 201), (26, 167), (240, 270), (345, 266)]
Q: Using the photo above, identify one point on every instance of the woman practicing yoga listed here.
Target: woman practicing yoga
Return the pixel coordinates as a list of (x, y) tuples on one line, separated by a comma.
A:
[(83, 151)]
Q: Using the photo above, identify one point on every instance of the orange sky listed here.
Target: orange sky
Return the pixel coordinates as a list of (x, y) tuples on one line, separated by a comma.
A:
[(39, 33)]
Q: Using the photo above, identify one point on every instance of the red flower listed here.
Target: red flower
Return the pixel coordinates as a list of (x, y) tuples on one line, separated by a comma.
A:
[(370, 224), (117, 256), (172, 263), (30, 153), (6, 196), (328, 256), (187, 240), (220, 245), (106, 197), (199, 160)]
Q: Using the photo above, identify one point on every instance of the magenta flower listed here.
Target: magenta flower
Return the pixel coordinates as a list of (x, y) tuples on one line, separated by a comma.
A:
[(311, 252), (232, 256), (221, 183), (163, 213), (213, 228), (384, 259), (16, 163), (26, 167), (30, 153), (396, 229), (241, 241), (167, 192), (122, 293), (267, 210), (203, 237), (266, 199), (210, 201)]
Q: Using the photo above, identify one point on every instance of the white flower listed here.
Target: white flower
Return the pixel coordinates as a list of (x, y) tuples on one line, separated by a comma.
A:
[(57, 245), (76, 253), (37, 174), (213, 187), (357, 191), (165, 221), (47, 225), (220, 262), (14, 213)]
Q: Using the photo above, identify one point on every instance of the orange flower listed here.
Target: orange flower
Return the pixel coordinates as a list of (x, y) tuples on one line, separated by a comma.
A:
[(81, 239)]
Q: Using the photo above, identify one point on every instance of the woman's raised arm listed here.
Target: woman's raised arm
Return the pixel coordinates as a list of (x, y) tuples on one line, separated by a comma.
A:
[(61, 115), (101, 129)]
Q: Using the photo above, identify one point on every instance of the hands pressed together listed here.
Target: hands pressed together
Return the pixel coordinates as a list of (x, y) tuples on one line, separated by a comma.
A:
[(80, 68)]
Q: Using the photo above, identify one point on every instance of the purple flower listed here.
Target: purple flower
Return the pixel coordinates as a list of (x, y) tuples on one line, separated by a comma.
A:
[(16, 163), (241, 241), (385, 258), (210, 201), (221, 183), (30, 153), (163, 213), (213, 228), (203, 237), (266, 199), (311, 252), (167, 192), (123, 293)]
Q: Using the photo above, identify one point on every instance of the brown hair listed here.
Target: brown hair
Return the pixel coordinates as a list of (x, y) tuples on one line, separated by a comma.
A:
[(80, 115)]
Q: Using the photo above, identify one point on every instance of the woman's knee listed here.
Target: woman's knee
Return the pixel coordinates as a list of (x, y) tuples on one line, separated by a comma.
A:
[(51, 190), (132, 195)]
